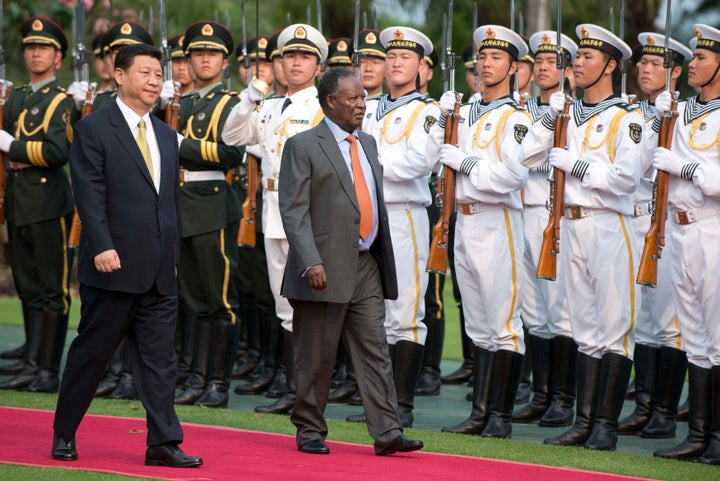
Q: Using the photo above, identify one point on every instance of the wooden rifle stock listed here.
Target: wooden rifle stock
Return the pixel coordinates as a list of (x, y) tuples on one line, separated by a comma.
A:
[(550, 248), (438, 257), (172, 111), (655, 236), (247, 231), (76, 226)]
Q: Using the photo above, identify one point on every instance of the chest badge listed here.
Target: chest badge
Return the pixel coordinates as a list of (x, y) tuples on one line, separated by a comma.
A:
[(703, 126), (201, 116), (398, 120), (34, 111), (599, 128), (488, 126)]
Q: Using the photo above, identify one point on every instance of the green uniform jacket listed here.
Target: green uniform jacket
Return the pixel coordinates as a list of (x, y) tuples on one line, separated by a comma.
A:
[(207, 206), (42, 125)]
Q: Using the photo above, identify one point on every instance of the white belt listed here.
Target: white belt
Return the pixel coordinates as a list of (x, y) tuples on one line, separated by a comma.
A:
[(685, 217), (270, 184), (397, 206), (200, 175), (575, 212), (642, 209)]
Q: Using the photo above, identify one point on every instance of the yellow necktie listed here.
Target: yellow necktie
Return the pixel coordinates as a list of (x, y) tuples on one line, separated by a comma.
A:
[(361, 190), (144, 148)]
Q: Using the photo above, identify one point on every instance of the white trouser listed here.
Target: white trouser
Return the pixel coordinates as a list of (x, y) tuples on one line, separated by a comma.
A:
[(693, 252), (488, 262), (599, 260), (544, 310), (410, 231), (276, 251), (657, 324)]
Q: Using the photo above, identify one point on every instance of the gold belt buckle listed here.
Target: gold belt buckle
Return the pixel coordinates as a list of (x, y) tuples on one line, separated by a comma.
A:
[(271, 184), (575, 212), (684, 217), (182, 176), (465, 209)]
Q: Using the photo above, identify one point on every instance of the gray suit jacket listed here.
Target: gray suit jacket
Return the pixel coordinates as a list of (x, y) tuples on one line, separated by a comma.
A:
[(321, 217)]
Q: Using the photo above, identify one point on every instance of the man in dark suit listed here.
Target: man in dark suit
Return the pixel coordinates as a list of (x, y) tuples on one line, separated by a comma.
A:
[(124, 167), (340, 265)]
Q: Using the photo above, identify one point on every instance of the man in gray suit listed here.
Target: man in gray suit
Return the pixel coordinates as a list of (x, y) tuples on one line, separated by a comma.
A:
[(340, 265)]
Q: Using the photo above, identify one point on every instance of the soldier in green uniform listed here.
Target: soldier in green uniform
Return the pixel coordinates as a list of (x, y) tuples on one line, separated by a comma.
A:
[(38, 203), (340, 53), (210, 212), (180, 69)]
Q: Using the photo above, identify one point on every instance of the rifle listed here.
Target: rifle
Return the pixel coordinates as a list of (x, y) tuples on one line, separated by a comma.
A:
[(550, 247), (356, 40), (248, 229), (172, 110), (438, 257), (655, 236)]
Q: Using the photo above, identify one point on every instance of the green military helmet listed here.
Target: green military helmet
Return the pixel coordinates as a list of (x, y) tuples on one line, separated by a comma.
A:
[(369, 43), (340, 52), (126, 33), (175, 44), (256, 49), (41, 30), (208, 35)]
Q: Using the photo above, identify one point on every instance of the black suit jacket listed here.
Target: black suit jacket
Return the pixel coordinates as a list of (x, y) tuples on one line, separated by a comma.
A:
[(119, 206), (321, 217)]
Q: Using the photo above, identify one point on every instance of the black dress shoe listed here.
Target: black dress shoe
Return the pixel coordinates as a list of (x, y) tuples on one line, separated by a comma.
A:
[(400, 444), (170, 455), (316, 446), (64, 450), (356, 418)]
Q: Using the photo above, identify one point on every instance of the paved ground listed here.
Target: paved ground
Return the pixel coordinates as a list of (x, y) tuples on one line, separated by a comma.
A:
[(431, 412)]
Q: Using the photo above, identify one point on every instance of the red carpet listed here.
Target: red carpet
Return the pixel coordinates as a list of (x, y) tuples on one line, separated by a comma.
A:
[(117, 445)]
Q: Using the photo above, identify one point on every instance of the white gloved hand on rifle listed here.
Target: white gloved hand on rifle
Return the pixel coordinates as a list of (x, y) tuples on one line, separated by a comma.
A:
[(447, 102), (557, 103), (167, 93), (668, 161), (5, 141), (663, 104)]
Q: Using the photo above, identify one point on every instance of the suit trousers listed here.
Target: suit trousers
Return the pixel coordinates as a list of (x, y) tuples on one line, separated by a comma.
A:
[(149, 320), (317, 328)]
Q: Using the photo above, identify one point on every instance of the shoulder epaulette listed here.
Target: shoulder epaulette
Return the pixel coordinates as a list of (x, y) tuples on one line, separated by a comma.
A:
[(626, 106), (427, 99), (274, 96), (232, 93)]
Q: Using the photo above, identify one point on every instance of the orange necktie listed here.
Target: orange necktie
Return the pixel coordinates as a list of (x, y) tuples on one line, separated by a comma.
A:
[(361, 190)]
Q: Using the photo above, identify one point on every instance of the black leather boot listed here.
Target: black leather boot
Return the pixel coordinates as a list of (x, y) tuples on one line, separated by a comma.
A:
[(541, 353), (699, 399), (278, 386), (614, 376), (683, 412), (196, 383), (32, 353), (429, 380), (223, 340), (348, 388), (18, 352), (287, 401), (562, 383), (340, 370), (248, 361), (54, 332), (588, 375), (712, 453), (672, 366), (525, 386), (506, 377), (188, 335), (12, 369), (408, 358), (464, 372), (125, 388), (265, 371), (482, 379), (646, 365), (112, 372)]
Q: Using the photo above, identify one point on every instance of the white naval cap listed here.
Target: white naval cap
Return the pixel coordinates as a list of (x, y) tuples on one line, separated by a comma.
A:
[(707, 37), (304, 38), (502, 38), (654, 44), (406, 38), (545, 41), (598, 38)]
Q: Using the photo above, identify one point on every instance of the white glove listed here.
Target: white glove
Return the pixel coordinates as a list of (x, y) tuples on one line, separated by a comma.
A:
[(516, 96), (452, 156), (167, 93), (5, 141), (476, 97), (561, 159), (252, 93), (557, 103), (666, 160), (79, 90), (8, 84), (663, 103), (447, 102)]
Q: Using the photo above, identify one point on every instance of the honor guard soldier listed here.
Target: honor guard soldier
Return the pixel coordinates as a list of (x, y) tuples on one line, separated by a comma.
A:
[(693, 241), (180, 69), (525, 75), (489, 231), (273, 56), (426, 70), (372, 62), (598, 255), (209, 213), (400, 122), (39, 204), (101, 69), (660, 360), (471, 75), (340, 53), (303, 49), (259, 63), (544, 313)]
